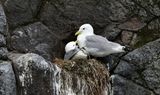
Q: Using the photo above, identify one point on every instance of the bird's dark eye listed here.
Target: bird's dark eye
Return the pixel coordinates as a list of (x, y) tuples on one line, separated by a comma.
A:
[(83, 28)]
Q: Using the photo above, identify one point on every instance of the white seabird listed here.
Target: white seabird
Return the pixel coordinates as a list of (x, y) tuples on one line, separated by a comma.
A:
[(96, 45), (73, 52)]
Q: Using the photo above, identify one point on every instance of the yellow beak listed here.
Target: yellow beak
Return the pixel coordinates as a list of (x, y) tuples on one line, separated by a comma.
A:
[(77, 33)]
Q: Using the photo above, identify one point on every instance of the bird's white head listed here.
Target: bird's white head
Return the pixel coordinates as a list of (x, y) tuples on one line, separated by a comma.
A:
[(70, 46), (86, 29)]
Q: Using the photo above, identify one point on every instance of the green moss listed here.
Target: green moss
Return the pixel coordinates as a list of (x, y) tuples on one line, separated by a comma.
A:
[(1, 61), (146, 35)]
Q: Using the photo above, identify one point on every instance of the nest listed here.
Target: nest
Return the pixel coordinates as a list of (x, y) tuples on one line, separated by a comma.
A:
[(92, 71)]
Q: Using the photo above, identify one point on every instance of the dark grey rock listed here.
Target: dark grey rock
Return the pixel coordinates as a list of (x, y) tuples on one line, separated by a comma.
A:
[(65, 17), (145, 54), (2, 1), (125, 69), (126, 37), (134, 24), (3, 53), (33, 75), (7, 79), (149, 33), (21, 12), (136, 11), (154, 25), (3, 22), (2, 41), (122, 86), (111, 32), (36, 38), (112, 62), (36, 76), (151, 6), (129, 71), (119, 12), (13, 56), (44, 50), (134, 40), (151, 76), (141, 66), (122, 11)]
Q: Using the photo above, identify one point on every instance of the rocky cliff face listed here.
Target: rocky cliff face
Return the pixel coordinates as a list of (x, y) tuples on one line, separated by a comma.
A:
[(34, 32)]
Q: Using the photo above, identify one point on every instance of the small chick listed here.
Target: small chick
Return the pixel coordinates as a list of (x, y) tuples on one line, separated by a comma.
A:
[(73, 52)]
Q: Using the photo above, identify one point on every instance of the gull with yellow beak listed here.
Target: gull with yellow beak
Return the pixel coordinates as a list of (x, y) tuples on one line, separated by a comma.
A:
[(96, 45), (72, 52)]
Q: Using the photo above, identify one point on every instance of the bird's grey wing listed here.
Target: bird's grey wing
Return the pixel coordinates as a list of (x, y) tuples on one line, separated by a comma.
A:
[(96, 42), (100, 43), (70, 54)]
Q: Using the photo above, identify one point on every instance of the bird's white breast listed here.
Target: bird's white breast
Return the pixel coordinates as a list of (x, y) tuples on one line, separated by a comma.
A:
[(80, 55), (81, 41)]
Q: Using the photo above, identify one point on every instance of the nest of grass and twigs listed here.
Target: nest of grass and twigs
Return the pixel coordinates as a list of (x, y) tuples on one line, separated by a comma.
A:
[(83, 68), (92, 71)]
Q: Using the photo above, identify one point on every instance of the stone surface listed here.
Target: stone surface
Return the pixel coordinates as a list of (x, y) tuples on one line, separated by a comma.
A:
[(112, 62), (129, 71), (134, 40), (145, 54), (60, 16), (36, 76), (2, 41), (122, 11), (122, 86), (138, 11), (7, 79), (36, 38), (125, 69), (149, 33), (152, 6), (2, 1), (33, 74), (65, 17), (134, 24), (117, 11), (141, 66), (111, 32), (3, 22), (3, 53), (151, 76), (21, 12), (126, 37)]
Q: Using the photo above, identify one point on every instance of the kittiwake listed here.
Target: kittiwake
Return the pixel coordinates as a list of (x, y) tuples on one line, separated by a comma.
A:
[(96, 45), (73, 52)]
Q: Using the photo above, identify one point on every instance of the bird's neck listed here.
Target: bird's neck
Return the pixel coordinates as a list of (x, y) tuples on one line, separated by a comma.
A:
[(68, 50), (87, 34), (81, 39)]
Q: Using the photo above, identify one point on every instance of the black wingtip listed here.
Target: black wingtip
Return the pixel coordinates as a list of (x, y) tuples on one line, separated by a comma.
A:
[(127, 48)]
